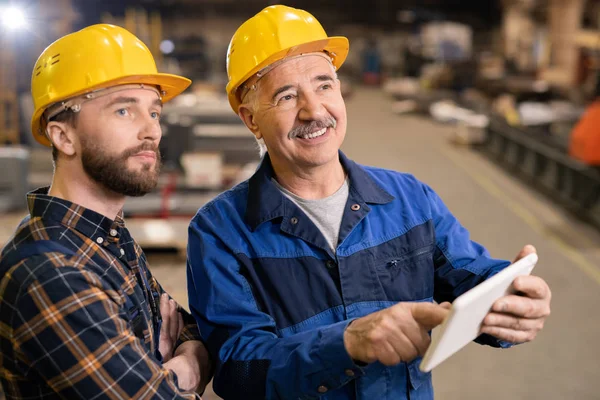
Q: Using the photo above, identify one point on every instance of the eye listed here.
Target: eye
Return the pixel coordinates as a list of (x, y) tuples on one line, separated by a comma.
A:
[(123, 112), (327, 86), (287, 97), (155, 115)]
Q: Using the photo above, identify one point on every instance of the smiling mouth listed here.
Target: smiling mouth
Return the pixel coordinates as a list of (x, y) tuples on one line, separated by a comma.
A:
[(314, 134)]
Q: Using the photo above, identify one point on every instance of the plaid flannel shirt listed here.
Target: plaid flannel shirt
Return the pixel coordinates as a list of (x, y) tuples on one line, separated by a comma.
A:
[(66, 322)]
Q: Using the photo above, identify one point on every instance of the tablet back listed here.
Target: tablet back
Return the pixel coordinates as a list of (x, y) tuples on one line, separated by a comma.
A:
[(468, 311)]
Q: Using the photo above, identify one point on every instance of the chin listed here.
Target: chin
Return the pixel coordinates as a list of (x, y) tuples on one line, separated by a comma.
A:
[(322, 158), (142, 165), (142, 168)]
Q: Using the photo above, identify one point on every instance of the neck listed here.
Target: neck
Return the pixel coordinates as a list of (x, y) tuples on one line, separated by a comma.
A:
[(74, 185), (312, 183)]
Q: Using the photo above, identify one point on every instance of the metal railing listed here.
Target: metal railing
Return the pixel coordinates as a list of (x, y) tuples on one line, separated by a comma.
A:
[(569, 182)]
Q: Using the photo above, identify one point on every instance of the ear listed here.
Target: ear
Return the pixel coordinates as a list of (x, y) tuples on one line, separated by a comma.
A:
[(62, 137), (248, 117)]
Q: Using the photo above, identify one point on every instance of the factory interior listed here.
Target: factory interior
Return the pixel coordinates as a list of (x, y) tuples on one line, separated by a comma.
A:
[(490, 103)]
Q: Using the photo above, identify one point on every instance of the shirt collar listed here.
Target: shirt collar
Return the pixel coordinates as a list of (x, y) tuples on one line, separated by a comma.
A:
[(86, 221), (266, 202)]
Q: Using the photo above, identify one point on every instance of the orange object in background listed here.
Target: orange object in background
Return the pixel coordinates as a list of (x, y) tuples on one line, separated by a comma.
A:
[(371, 78), (585, 137)]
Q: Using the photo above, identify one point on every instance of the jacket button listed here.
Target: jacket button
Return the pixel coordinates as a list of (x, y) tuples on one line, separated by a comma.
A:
[(322, 389), (349, 372), (330, 264), (294, 220), (355, 207)]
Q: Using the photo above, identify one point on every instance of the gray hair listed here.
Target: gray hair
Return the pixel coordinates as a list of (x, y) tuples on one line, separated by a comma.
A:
[(251, 102)]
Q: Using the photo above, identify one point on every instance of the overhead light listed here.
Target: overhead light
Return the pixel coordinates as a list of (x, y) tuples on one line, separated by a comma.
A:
[(13, 18), (167, 46)]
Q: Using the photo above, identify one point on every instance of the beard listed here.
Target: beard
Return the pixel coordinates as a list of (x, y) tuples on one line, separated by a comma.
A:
[(112, 172)]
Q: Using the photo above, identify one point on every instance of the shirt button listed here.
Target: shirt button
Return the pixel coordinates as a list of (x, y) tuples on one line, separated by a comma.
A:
[(349, 372), (322, 389), (122, 252), (113, 232), (294, 220), (355, 207), (330, 264), (100, 240)]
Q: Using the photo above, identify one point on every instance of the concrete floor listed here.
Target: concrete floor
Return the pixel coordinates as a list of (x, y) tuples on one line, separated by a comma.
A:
[(503, 214)]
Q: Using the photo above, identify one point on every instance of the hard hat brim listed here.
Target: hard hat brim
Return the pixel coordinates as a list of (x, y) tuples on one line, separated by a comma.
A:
[(336, 46), (171, 85)]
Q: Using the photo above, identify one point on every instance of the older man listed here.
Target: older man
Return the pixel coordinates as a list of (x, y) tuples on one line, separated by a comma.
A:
[(316, 278)]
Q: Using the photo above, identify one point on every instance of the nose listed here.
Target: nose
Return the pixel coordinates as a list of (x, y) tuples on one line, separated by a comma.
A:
[(150, 130), (312, 108)]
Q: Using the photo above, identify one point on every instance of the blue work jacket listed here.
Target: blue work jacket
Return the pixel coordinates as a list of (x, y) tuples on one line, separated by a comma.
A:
[(272, 299)]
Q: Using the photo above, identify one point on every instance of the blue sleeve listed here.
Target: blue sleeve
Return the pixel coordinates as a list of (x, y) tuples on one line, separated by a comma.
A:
[(460, 263), (252, 360)]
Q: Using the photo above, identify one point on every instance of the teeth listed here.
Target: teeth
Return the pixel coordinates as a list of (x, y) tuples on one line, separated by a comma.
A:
[(314, 134)]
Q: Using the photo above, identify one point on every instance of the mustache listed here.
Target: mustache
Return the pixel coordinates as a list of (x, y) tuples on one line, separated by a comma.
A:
[(312, 126), (145, 146)]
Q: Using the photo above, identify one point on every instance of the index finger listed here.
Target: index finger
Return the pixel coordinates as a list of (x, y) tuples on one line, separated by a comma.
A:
[(181, 325), (532, 286), (522, 307), (164, 306), (429, 315), (164, 314)]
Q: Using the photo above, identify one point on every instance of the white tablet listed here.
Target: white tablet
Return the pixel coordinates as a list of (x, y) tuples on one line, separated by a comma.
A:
[(462, 325)]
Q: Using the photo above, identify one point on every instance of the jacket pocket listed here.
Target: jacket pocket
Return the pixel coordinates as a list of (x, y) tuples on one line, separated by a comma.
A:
[(417, 378), (408, 276)]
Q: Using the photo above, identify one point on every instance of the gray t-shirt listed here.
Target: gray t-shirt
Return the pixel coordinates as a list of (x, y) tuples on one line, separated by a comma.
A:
[(325, 213)]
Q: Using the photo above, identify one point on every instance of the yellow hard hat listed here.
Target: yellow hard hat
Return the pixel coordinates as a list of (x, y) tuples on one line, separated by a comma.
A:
[(94, 58), (275, 33)]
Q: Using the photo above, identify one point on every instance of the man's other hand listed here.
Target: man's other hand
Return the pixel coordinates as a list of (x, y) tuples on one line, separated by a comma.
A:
[(518, 318)]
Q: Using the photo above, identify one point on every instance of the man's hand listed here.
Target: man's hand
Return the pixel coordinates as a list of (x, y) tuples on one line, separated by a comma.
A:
[(192, 366), (518, 318), (396, 334), (172, 325)]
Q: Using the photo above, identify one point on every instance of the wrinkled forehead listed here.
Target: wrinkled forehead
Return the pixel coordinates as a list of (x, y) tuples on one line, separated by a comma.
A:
[(291, 70), (304, 67)]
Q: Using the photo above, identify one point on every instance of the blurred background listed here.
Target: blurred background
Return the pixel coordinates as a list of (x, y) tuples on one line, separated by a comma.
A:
[(492, 103)]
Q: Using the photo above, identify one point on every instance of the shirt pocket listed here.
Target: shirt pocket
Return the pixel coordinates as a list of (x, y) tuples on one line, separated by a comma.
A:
[(408, 276)]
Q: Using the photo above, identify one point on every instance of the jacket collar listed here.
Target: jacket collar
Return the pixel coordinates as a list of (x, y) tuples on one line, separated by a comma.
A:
[(266, 202)]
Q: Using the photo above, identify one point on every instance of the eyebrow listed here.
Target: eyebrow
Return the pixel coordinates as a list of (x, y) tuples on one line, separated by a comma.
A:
[(318, 78), (131, 100), (323, 78)]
